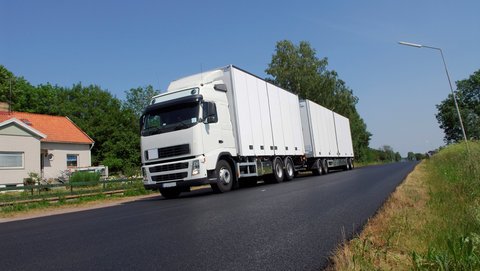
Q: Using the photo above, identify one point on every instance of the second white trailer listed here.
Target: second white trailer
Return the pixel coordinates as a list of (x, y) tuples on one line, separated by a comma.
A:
[(328, 142)]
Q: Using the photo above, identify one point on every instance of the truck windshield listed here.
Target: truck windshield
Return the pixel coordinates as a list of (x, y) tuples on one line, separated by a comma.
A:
[(172, 118)]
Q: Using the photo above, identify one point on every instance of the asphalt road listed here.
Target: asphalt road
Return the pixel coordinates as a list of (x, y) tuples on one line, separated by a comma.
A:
[(288, 226)]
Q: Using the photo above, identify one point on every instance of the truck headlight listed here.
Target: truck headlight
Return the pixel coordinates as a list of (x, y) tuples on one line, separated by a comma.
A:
[(195, 167)]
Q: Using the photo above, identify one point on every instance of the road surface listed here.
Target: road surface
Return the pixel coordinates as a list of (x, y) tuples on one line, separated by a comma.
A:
[(289, 226)]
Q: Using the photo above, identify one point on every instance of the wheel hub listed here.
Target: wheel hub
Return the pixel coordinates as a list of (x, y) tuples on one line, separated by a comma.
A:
[(279, 170), (290, 169), (224, 175)]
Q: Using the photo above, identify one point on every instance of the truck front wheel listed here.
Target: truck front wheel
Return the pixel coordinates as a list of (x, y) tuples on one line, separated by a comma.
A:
[(225, 177)]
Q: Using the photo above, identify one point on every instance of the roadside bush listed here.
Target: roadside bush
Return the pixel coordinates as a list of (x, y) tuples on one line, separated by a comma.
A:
[(33, 178), (114, 164), (91, 178)]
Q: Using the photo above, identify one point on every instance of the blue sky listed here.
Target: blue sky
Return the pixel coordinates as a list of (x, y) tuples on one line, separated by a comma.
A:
[(119, 45)]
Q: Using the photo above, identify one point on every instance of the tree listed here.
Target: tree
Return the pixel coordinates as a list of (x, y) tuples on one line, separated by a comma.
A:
[(113, 128), (138, 98), (13, 89), (398, 157), (6, 79), (468, 96), (419, 156), (299, 70), (411, 156), (387, 154)]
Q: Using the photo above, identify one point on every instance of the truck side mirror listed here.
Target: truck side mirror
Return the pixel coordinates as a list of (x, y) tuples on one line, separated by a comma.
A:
[(210, 112)]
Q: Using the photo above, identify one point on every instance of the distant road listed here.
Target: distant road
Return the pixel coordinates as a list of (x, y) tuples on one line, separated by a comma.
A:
[(289, 226)]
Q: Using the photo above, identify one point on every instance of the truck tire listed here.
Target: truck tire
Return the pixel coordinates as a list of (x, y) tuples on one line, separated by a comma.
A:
[(318, 170), (278, 173), (225, 177), (289, 169), (350, 163), (325, 166), (170, 193)]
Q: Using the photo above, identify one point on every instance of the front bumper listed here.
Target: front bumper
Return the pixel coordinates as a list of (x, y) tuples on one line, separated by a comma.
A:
[(184, 186), (175, 174)]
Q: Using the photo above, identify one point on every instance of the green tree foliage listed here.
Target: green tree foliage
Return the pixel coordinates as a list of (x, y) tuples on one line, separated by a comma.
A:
[(14, 90), (419, 156), (299, 70), (411, 156), (387, 154), (113, 126), (468, 96), (138, 98), (6, 78), (398, 157)]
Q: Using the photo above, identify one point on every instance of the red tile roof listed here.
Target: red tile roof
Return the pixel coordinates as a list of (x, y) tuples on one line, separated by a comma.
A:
[(57, 128)]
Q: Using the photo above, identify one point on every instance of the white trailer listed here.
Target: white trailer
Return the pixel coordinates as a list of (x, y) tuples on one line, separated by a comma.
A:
[(227, 126), (328, 142)]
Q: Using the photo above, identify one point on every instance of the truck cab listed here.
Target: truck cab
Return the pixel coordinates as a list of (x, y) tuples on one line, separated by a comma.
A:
[(183, 133)]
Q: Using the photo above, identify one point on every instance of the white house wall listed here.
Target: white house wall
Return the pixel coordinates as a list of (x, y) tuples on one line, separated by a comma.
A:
[(53, 168), (27, 144)]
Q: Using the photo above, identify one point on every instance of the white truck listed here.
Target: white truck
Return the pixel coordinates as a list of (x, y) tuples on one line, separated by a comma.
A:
[(227, 126)]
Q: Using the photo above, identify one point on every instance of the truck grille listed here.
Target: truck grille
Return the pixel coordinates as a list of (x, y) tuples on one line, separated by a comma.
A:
[(169, 167), (171, 151), (169, 177)]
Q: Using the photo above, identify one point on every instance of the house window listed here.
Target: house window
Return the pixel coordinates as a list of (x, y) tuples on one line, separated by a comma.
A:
[(11, 160), (72, 160)]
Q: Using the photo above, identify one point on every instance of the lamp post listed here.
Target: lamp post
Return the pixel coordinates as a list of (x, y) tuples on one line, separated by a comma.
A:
[(449, 82)]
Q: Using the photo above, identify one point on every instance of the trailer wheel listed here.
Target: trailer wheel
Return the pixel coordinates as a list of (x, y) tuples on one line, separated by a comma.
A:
[(350, 163), (347, 164), (170, 193), (225, 177), (289, 169), (325, 166), (318, 170)]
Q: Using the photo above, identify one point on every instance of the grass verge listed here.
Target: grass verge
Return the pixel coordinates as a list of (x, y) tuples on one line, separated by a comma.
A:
[(431, 221)]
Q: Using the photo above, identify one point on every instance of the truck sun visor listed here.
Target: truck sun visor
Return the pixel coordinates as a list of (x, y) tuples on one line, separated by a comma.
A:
[(183, 100)]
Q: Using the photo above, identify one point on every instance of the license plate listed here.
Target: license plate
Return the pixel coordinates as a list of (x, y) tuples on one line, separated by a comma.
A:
[(165, 185)]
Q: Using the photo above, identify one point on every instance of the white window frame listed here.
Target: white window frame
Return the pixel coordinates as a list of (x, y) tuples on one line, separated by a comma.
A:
[(14, 152), (78, 159)]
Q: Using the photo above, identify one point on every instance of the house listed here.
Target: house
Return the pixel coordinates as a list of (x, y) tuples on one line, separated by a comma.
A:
[(43, 144)]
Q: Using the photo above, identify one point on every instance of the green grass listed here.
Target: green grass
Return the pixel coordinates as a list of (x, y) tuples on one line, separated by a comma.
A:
[(453, 233), (431, 222)]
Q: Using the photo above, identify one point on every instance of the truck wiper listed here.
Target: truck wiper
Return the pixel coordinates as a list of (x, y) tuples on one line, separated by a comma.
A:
[(151, 131), (181, 125)]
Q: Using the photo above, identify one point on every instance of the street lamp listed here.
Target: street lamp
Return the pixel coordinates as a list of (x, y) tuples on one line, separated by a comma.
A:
[(449, 81)]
